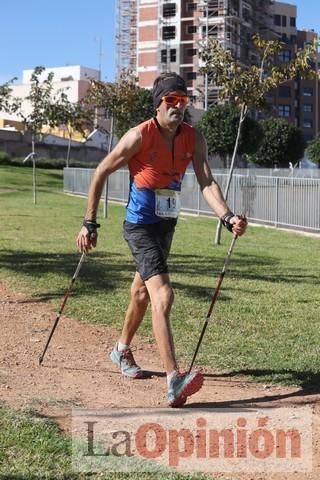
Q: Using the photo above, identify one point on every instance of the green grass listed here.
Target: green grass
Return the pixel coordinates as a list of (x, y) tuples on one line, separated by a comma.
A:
[(265, 322), (31, 448)]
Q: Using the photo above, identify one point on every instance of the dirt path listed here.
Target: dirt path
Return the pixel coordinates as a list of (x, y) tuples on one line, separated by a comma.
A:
[(77, 372)]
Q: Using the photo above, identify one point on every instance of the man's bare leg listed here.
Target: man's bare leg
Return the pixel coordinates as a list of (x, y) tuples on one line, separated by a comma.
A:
[(161, 297), (136, 309), (180, 386)]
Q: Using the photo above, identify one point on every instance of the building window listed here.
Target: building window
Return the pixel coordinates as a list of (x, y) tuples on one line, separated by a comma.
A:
[(212, 31), (169, 10), (285, 92), (191, 52), (246, 14), (191, 29), (173, 55), (164, 55), (308, 92), (284, 110), (292, 21), (285, 56), (191, 75), (293, 39), (308, 107), (284, 38), (277, 20), (168, 32), (307, 123), (284, 21), (191, 6)]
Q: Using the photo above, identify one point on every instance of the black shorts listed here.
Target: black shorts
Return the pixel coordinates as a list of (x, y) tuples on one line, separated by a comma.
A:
[(150, 245)]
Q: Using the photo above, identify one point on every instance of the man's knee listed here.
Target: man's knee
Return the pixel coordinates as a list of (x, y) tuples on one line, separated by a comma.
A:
[(139, 294), (163, 299)]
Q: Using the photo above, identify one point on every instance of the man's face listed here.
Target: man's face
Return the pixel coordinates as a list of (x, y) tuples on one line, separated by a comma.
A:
[(172, 107)]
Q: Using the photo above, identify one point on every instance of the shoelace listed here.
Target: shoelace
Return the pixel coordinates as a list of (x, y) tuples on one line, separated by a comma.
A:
[(127, 355)]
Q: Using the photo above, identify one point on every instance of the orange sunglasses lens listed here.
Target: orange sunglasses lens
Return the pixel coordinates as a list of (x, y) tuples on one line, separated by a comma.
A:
[(175, 99)]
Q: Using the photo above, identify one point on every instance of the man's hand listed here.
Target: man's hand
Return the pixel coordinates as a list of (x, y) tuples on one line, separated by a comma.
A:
[(88, 236), (236, 224), (239, 224)]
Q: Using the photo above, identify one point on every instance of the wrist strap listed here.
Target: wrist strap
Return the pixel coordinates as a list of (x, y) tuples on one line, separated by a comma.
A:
[(225, 220), (91, 225)]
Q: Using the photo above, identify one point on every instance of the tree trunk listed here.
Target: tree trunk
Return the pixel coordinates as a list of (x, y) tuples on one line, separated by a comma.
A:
[(69, 148), (106, 188), (34, 187), (243, 113)]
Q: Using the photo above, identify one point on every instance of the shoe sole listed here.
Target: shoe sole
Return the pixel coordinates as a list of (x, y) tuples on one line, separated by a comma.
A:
[(191, 388)]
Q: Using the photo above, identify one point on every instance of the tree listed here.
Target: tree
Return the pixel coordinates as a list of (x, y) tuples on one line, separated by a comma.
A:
[(247, 86), (123, 100), (8, 104), (313, 150), (40, 100), (74, 116), (219, 125), (140, 110), (282, 143)]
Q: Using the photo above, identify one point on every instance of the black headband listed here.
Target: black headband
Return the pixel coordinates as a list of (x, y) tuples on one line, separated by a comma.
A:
[(165, 86)]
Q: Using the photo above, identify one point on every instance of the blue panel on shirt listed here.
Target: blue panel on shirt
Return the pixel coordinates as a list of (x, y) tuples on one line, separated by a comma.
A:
[(141, 204)]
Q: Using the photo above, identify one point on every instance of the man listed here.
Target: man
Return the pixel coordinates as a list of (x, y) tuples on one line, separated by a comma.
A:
[(157, 153)]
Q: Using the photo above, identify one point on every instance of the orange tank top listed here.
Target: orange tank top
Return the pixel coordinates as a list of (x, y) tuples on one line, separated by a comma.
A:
[(155, 165)]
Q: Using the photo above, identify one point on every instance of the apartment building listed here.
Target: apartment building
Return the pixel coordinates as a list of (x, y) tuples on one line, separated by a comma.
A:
[(73, 80), (165, 35), (168, 35), (298, 100)]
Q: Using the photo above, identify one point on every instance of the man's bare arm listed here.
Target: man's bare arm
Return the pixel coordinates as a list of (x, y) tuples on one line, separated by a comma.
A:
[(127, 147), (209, 187)]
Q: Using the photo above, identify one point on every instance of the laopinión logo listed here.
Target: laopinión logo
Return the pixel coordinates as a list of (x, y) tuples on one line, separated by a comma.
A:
[(202, 440)]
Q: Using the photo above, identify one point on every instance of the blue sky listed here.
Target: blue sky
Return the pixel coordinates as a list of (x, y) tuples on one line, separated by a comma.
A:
[(69, 32)]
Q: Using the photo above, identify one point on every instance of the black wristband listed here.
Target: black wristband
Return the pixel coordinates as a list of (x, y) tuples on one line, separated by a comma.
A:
[(225, 219), (91, 225)]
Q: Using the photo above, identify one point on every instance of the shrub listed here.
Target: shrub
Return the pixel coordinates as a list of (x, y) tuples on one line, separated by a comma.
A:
[(54, 163)]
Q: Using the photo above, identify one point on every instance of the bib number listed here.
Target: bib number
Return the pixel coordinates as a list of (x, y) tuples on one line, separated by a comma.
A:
[(168, 203)]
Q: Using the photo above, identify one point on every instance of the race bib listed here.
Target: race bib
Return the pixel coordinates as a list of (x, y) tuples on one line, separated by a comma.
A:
[(168, 203)]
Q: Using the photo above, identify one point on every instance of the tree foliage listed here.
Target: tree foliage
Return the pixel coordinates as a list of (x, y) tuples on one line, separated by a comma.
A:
[(282, 143), (40, 101), (123, 100), (8, 104), (313, 150), (249, 84), (73, 115), (220, 125), (142, 109)]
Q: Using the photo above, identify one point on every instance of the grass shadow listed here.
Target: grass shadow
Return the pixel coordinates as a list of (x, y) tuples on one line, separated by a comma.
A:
[(101, 272), (308, 384), (107, 271)]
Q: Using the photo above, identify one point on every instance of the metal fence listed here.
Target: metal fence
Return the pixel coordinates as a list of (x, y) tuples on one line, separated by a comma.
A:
[(280, 201)]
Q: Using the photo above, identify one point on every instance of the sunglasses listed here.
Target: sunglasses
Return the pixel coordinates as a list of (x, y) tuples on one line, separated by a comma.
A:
[(175, 99)]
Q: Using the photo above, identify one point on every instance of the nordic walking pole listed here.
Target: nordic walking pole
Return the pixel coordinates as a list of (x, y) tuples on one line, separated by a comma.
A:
[(62, 307), (214, 298)]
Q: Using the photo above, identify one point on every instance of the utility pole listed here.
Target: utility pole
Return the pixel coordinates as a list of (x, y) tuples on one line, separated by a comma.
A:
[(317, 89), (100, 57), (206, 74)]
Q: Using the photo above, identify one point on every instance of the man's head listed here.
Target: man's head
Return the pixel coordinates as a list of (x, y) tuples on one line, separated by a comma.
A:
[(167, 83), (170, 96)]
